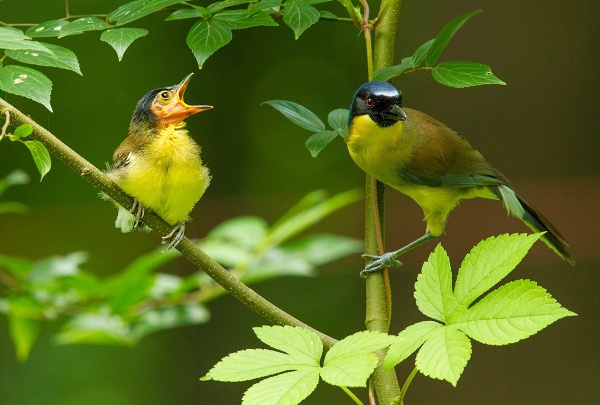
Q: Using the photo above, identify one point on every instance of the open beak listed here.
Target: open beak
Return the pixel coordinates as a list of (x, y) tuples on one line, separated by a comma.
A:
[(180, 110)]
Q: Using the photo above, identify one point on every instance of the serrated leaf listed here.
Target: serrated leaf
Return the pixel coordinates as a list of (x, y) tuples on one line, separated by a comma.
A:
[(359, 343), (513, 312), (12, 38), (408, 341), (464, 74), (433, 289), (337, 119), (206, 37), (298, 114), (488, 263), (241, 19), (170, 317), (184, 14), (419, 56), (349, 370), (446, 35), (388, 72), (41, 157), (299, 16), (64, 58), (295, 341), (317, 142), (250, 364), (288, 388), (121, 38), (23, 131), (444, 355), (23, 333), (82, 25), (47, 29), (137, 9), (26, 82), (94, 329)]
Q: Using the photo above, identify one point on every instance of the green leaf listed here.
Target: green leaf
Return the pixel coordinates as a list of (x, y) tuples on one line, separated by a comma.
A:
[(247, 365), (327, 15), (170, 317), (220, 5), (91, 328), (137, 9), (409, 340), (46, 29), (277, 262), (513, 312), (184, 14), (240, 19), (320, 249), (298, 114), (64, 58), (26, 82), (24, 333), (206, 37), (246, 231), (433, 289), (23, 131), (54, 267), (488, 263), (271, 6), (82, 25), (388, 72), (419, 56), (295, 341), (464, 74), (288, 388), (299, 16), (316, 142), (446, 35), (41, 157), (444, 355), (121, 38), (338, 119), (15, 266), (12, 207), (12, 38)]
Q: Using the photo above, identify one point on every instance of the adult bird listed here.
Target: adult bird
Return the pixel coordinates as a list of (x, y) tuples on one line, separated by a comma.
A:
[(159, 164), (424, 159)]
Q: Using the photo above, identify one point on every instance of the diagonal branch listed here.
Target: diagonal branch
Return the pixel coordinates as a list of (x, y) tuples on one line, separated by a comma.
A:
[(195, 255)]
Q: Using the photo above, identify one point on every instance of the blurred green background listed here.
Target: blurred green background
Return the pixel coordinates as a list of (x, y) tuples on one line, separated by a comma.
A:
[(541, 130)]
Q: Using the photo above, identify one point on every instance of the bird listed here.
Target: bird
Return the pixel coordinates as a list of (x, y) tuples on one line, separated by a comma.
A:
[(424, 159), (159, 164)]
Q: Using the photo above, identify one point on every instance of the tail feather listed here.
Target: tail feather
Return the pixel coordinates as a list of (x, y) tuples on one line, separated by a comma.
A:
[(517, 206)]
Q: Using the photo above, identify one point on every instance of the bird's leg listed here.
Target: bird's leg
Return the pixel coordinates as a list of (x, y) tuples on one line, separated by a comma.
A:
[(138, 211), (176, 235), (389, 259)]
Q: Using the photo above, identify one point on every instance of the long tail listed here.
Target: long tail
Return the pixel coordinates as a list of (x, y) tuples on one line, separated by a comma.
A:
[(517, 206)]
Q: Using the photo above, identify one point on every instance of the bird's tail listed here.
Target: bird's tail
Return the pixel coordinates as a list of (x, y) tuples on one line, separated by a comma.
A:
[(517, 206)]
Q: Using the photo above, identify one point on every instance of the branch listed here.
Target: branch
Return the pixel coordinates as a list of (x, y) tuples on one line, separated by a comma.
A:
[(195, 255)]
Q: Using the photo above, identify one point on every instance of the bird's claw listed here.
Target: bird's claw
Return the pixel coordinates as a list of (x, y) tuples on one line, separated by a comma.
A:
[(138, 211), (176, 235), (379, 262)]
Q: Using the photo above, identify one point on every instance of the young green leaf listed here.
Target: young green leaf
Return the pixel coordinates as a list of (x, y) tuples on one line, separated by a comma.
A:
[(26, 82), (23, 332), (444, 355), (63, 58), (51, 268), (338, 119), (170, 317), (320, 249), (23, 131), (12, 38), (82, 25), (292, 340), (298, 114), (317, 141), (513, 312), (245, 231), (94, 328), (388, 72), (464, 74), (137, 9), (241, 19), (421, 52), (289, 388), (299, 16), (446, 35), (121, 38), (409, 340), (46, 29), (41, 157), (184, 14), (206, 37)]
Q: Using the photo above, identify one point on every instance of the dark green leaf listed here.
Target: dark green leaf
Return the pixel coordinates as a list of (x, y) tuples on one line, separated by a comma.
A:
[(46, 29), (240, 19), (23, 131), (41, 157), (206, 37), (24, 333), (26, 82), (388, 72), (446, 35), (137, 9), (220, 5), (316, 142), (12, 38), (121, 38), (299, 16), (170, 317), (464, 74), (64, 58), (95, 329), (338, 119), (298, 114), (272, 6), (12, 207), (184, 14), (82, 25), (327, 15), (420, 54)]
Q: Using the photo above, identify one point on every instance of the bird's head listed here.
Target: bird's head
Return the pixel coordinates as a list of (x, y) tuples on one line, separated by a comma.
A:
[(381, 101), (165, 106)]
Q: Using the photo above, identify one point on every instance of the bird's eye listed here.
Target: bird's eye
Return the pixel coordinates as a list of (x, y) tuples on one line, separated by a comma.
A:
[(165, 96), (370, 102)]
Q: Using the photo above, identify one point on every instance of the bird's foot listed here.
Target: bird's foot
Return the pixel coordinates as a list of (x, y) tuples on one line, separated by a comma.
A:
[(176, 235), (379, 262), (138, 211)]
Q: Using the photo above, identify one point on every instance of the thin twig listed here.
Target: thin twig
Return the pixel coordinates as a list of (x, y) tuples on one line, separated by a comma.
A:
[(6, 123)]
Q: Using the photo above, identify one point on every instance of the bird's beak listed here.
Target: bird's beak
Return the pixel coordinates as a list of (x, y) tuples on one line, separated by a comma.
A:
[(396, 113), (181, 110)]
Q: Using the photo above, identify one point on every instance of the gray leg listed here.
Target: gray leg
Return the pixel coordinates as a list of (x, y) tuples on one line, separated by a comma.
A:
[(176, 235)]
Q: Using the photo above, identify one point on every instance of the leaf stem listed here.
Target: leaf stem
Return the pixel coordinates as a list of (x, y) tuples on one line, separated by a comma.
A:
[(351, 395), (406, 385)]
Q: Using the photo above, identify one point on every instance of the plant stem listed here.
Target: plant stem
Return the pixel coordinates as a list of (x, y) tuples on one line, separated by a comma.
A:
[(99, 179), (351, 395), (406, 385)]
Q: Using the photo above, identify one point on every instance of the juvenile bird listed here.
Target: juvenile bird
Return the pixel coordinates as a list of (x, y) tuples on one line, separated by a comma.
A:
[(424, 159), (159, 164)]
